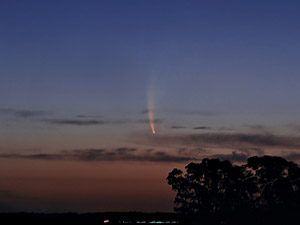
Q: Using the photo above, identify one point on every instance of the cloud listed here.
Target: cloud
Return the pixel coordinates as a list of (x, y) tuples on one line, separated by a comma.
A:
[(31, 156), (164, 157), (223, 140), (89, 116), (81, 122), (195, 112), (193, 151), (182, 155), (73, 122), (119, 154), (251, 151), (201, 128), (125, 150), (293, 156), (84, 120), (24, 113), (233, 157), (258, 128), (226, 129), (177, 127)]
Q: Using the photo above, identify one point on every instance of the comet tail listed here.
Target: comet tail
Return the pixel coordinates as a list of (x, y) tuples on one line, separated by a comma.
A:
[(151, 113)]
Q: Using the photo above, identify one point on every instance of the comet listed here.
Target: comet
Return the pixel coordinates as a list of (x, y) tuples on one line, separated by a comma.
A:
[(151, 112), (151, 120)]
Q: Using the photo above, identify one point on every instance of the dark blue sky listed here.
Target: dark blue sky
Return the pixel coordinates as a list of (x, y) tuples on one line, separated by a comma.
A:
[(79, 75), (100, 55)]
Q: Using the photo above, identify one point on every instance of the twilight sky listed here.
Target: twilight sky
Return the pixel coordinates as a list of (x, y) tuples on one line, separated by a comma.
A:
[(78, 78)]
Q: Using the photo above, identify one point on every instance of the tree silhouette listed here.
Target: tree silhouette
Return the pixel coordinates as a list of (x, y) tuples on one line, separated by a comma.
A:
[(218, 186), (278, 182)]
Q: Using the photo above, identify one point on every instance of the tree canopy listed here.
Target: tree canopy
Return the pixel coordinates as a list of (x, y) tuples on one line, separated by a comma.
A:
[(218, 186)]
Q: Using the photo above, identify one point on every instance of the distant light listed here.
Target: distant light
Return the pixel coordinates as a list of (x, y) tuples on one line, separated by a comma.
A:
[(106, 221)]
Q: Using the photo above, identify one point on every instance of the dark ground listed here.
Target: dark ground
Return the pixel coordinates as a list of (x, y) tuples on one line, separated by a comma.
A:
[(90, 218), (274, 217)]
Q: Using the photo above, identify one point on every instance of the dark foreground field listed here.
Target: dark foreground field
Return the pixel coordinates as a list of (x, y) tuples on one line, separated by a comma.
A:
[(273, 217), (90, 218)]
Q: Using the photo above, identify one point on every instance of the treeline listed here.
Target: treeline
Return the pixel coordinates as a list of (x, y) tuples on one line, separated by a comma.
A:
[(217, 192)]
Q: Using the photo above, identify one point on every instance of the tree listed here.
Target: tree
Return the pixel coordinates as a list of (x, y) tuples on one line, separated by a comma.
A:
[(218, 186), (277, 180)]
